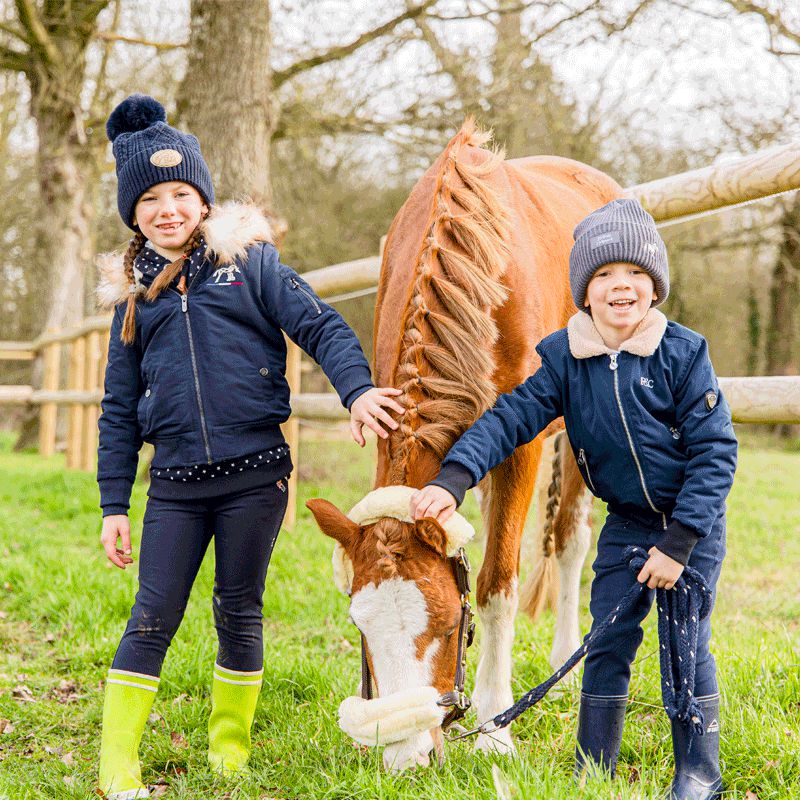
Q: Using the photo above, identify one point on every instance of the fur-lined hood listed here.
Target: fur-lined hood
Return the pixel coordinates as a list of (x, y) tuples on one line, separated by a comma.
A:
[(229, 230), (585, 340)]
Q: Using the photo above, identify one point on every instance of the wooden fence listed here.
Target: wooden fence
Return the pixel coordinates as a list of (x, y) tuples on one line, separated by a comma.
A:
[(757, 400)]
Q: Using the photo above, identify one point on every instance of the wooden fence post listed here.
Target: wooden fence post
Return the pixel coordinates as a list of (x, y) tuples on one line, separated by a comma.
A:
[(291, 430), (91, 382), (77, 370), (48, 416)]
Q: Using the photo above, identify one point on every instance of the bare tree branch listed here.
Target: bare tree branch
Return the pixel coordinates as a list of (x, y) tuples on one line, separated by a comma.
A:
[(38, 37), (450, 62), (17, 34), (13, 60), (335, 53), (774, 21), (98, 97), (111, 36)]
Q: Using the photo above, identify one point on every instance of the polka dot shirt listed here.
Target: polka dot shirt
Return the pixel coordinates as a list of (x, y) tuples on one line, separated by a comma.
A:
[(203, 472), (150, 263)]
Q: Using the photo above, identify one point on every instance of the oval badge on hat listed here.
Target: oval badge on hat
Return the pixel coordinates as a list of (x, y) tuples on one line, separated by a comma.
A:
[(711, 400), (166, 158)]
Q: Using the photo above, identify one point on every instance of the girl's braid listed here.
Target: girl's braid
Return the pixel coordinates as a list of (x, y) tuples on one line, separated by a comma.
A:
[(129, 323)]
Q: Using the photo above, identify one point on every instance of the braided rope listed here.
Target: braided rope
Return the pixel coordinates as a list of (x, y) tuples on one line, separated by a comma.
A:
[(680, 611)]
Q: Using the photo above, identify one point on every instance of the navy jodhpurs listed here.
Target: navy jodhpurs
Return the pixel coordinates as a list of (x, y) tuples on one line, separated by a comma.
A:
[(175, 537), (608, 666)]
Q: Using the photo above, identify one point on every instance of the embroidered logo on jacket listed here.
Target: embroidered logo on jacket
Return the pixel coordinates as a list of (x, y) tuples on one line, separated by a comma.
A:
[(648, 382), (225, 276)]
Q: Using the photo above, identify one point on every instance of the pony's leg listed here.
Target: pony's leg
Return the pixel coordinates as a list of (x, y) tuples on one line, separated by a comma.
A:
[(511, 488), (572, 533)]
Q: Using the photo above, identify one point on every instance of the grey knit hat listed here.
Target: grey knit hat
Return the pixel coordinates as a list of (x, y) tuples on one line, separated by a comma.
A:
[(148, 151), (619, 231)]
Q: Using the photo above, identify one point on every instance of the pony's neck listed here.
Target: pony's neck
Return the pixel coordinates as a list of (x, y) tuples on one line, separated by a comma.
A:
[(419, 470)]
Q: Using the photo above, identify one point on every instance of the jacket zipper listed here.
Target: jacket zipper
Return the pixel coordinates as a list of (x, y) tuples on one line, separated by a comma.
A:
[(308, 295), (185, 310), (613, 366), (583, 461)]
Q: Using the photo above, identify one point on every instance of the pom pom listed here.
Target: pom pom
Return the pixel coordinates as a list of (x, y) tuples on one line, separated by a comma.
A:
[(134, 113)]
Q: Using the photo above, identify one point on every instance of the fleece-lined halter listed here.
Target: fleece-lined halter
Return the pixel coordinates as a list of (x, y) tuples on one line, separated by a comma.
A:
[(403, 714)]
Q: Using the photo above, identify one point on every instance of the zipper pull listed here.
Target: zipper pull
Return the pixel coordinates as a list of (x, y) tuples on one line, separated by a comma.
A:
[(613, 365), (184, 303), (581, 457)]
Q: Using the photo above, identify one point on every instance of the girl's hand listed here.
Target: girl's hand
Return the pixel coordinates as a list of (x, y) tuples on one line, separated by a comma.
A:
[(367, 409), (432, 501), (660, 571), (117, 526)]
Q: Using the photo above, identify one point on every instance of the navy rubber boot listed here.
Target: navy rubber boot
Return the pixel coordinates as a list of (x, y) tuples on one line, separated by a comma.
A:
[(600, 724), (697, 775)]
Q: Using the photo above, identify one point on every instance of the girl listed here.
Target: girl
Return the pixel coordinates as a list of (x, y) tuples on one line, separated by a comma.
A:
[(196, 367), (653, 438)]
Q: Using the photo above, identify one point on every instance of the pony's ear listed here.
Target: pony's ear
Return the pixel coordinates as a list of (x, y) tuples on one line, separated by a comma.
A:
[(333, 523), (432, 534)]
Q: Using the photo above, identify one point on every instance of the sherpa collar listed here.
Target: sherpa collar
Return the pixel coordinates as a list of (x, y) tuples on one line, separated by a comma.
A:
[(585, 340), (229, 230)]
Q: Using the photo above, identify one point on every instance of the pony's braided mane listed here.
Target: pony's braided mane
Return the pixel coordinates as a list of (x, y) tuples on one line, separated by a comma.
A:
[(446, 360)]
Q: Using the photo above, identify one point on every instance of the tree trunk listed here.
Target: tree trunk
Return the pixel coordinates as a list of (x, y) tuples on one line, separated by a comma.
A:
[(225, 98), (64, 157)]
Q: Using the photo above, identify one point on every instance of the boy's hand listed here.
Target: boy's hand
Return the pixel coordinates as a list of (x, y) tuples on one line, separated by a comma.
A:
[(432, 501), (660, 571), (117, 526), (367, 409)]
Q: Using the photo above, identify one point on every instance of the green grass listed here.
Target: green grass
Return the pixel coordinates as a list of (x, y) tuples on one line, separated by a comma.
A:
[(62, 611)]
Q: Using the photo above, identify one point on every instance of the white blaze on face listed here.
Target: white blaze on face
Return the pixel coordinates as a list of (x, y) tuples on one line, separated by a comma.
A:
[(391, 615)]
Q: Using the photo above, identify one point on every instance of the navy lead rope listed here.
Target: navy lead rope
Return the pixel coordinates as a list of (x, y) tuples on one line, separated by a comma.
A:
[(680, 611)]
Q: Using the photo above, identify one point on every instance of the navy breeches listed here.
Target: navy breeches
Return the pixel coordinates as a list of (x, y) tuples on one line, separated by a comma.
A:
[(608, 666), (175, 536)]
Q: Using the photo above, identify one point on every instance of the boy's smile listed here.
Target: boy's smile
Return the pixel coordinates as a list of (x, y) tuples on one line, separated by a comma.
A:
[(619, 295)]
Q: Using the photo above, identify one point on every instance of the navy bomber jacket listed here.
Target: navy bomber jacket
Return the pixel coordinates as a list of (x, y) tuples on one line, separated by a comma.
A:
[(647, 424), (204, 379)]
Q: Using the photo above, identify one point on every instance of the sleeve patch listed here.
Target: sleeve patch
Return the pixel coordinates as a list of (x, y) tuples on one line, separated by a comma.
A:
[(711, 400)]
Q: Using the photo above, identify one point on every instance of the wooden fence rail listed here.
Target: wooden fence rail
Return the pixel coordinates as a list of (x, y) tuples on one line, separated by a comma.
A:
[(758, 400)]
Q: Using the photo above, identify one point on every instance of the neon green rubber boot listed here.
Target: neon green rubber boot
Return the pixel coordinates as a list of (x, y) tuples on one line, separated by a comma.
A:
[(233, 705), (129, 698)]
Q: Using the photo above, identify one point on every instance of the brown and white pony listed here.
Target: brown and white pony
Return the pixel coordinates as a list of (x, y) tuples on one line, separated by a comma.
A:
[(474, 275)]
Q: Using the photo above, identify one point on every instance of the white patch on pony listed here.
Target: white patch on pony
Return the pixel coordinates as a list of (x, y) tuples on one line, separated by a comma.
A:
[(391, 616), (570, 563), (493, 680)]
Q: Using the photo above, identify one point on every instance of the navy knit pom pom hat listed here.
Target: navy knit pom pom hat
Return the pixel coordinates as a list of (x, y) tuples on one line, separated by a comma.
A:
[(148, 151), (619, 231)]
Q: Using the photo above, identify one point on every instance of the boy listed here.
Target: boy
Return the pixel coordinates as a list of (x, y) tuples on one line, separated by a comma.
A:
[(653, 438)]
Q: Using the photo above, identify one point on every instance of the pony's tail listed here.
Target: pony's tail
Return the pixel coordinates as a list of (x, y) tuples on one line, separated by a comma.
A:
[(540, 590)]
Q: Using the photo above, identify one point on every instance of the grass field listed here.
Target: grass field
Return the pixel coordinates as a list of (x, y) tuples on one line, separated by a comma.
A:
[(63, 609)]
